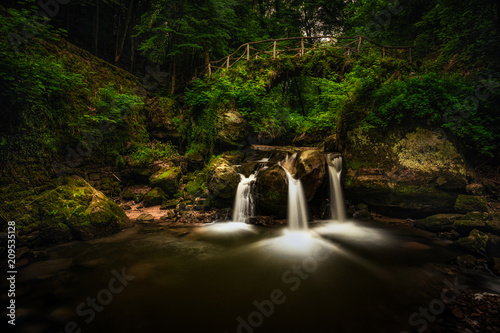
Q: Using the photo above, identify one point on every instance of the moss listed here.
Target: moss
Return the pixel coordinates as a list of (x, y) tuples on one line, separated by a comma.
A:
[(154, 197), (464, 227), (128, 194), (439, 222), (475, 243), (168, 179), (470, 203)]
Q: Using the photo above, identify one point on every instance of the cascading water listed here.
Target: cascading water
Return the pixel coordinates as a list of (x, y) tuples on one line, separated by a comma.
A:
[(297, 209), (244, 202), (336, 198)]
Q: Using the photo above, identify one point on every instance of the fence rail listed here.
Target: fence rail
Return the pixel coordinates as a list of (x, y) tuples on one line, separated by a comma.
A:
[(296, 46)]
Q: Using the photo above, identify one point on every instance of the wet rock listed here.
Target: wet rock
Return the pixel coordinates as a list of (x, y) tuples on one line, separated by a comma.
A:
[(494, 265), (475, 243), (438, 222), (272, 187), (167, 178), (493, 246), (145, 217), (471, 203), (262, 220), (223, 182), (311, 170), (466, 261), (154, 197), (464, 227)]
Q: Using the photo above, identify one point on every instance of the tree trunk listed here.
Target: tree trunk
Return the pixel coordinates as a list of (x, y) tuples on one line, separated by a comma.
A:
[(96, 27), (173, 76), (125, 31)]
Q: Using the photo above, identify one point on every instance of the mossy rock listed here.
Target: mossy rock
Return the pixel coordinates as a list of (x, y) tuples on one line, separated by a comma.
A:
[(74, 210), (154, 197), (470, 203), (466, 261), (168, 179), (272, 187), (232, 128), (128, 194), (475, 243), (223, 182), (438, 222), (493, 227), (464, 227)]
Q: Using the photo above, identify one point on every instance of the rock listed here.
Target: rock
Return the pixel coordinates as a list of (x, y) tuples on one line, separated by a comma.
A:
[(162, 119), (311, 170), (493, 246), (494, 265), (74, 210), (438, 222), (167, 178), (126, 207), (466, 261), (363, 215), (493, 227), (145, 217), (464, 227), (470, 203), (128, 194), (475, 243), (154, 197), (232, 128), (262, 220), (223, 182), (417, 175), (330, 143), (272, 188)]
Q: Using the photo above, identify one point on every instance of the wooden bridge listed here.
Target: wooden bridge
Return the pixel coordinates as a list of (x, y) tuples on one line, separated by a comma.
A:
[(297, 47)]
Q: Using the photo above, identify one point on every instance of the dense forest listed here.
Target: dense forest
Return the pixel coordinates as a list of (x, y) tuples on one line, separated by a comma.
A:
[(218, 150)]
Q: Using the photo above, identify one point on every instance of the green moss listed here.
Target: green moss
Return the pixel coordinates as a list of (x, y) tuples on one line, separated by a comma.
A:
[(470, 203), (154, 197), (439, 222), (464, 227), (168, 179), (475, 243)]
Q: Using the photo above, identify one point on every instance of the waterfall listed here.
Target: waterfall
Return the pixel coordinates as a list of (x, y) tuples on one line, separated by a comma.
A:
[(244, 202), (297, 209), (336, 198)]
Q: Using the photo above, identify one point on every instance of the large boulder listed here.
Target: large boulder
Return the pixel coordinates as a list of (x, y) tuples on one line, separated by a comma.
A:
[(417, 174), (272, 187), (167, 178), (232, 128), (74, 210), (311, 170), (223, 182)]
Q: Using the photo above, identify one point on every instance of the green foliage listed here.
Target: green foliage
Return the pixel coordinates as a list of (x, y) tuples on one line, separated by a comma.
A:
[(147, 153)]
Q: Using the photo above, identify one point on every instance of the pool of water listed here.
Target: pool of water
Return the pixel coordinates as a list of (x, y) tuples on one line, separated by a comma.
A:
[(337, 277)]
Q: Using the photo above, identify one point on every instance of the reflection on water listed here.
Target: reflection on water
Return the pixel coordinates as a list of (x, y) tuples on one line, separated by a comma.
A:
[(233, 277)]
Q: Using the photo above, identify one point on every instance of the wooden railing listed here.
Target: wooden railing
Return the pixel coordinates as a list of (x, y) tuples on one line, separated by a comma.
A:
[(297, 46)]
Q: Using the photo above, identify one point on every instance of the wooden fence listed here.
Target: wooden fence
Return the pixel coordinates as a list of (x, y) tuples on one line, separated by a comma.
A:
[(298, 46)]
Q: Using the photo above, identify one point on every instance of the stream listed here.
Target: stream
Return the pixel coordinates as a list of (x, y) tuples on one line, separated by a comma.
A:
[(235, 277)]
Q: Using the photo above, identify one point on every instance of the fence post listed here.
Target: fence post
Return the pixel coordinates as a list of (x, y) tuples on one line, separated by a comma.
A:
[(302, 47), (274, 50), (359, 43), (383, 52), (209, 70), (248, 51), (411, 55), (227, 62)]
